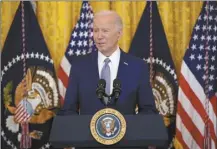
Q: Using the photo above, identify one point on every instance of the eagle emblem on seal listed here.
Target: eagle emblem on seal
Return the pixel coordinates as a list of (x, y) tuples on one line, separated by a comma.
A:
[(108, 126), (35, 99)]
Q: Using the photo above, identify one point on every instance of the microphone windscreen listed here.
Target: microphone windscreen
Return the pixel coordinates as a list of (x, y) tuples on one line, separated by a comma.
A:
[(102, 83), (116, 83)]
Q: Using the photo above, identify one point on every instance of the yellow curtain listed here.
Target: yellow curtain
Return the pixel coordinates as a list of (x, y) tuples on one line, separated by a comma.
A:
[(57, 19)]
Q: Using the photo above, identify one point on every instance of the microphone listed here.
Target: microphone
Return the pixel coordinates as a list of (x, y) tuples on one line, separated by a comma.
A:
[(100, 91), (116, 88)]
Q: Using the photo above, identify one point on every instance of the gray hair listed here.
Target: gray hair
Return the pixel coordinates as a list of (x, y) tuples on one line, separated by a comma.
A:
[(118, 20)]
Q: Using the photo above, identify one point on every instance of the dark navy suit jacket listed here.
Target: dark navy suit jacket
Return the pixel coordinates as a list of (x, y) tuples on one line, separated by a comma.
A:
[(84, 76)]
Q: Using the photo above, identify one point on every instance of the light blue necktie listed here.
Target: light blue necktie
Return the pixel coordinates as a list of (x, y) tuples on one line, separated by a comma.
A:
[(105, 74)]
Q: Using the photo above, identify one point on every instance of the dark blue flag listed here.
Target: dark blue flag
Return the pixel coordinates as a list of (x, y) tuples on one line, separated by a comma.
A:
[(29, 90), (150, 36)]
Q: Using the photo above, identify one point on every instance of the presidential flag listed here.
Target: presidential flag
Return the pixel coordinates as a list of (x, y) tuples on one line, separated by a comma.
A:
[(29, 90), (80, 44), (150, 44), (197, 102)]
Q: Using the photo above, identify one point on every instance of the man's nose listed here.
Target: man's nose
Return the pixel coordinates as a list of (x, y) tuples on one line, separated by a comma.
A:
[(100, 35)]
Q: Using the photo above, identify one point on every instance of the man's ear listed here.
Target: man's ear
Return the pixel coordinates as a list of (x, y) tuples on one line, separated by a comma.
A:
[(120, 33)]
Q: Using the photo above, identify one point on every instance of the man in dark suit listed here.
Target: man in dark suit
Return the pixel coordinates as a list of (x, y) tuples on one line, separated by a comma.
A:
[(109, 62), (86, 72)]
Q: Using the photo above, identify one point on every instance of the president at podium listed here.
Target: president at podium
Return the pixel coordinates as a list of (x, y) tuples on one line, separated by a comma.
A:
[(109, 62), (108, 80)]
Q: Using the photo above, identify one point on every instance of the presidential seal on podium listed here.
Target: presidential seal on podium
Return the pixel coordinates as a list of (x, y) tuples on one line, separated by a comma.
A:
[(108, 126)]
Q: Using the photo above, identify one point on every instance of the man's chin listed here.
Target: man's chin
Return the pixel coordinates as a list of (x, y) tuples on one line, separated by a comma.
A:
[(102, 50)]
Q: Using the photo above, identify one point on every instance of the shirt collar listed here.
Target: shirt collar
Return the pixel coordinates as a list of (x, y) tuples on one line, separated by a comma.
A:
[(114, 58)]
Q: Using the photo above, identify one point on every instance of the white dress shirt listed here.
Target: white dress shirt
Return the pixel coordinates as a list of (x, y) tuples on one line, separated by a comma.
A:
[(113, 64)]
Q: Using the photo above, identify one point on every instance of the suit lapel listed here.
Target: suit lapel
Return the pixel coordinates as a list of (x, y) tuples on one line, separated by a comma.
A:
[(123, 72), (123, 67), (95, 70)]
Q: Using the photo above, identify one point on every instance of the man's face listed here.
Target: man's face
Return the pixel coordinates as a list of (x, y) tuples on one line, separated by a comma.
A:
[(106, 33)]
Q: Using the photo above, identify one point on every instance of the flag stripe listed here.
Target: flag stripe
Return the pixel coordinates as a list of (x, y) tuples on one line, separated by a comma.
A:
[(180, 139), (213, 101), (193, 83), (214, 146), (22, 117), (187, 137), (196, 104), (198, 91), (66, 66), (196, 119), (190, 127), (20, 113), (195, 91), (194, 100), (191, 111), (212, 114), (196, 88), (62, 87), (18, 110), (64, 79), (212, 123), (62, 90)]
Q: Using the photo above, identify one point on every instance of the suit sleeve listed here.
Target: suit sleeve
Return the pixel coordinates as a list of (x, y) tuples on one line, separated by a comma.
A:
[(71, 98), (146, 104)]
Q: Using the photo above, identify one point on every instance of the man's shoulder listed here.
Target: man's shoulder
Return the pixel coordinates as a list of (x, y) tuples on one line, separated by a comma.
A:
[(83, 59), (133, 59), (81, 64)]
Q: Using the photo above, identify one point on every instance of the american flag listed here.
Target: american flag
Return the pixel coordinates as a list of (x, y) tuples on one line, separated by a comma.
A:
[(81, 43), (23, 112), (22, 116), (197, 97)]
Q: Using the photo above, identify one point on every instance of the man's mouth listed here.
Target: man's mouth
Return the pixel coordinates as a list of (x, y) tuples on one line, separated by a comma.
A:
[(101, 44)]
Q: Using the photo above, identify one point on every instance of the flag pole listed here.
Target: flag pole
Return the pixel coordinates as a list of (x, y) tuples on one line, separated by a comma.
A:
[(151, 45), (207, 139), (25, 138)]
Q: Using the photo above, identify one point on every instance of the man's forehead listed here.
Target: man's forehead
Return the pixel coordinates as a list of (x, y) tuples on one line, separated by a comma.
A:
[(103, 24), (104, 18)]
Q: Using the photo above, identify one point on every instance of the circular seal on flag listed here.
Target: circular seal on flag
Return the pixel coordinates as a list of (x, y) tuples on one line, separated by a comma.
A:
[(108, 126)]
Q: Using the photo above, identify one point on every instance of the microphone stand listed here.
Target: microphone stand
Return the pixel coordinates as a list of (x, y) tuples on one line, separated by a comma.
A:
[(109, 98), (108, 101), (102, 95)]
